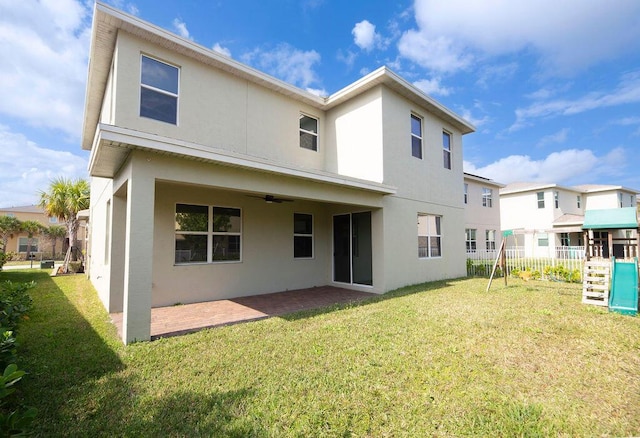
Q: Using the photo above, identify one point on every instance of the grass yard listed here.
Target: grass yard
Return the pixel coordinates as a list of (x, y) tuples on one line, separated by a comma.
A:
[(439, 359)]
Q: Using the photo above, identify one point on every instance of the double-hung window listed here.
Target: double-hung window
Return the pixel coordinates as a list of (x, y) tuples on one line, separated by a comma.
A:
[(308, 132), (540, 196), (302, 235), (416, 136), (556, 199), (487, 197), (490, 240), (579, 201), (159, 90), (466, 193), (446, 149), (470, 237), (429, 236), (23, 243), (205, 234)]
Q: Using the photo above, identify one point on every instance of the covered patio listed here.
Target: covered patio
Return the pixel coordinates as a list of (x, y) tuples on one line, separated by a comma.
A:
[(187, 318)]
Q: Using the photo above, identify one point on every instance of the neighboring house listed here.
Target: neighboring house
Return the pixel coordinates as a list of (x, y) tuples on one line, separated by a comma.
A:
[(547, 219), (211, 180), (40, 246), (481, 214)]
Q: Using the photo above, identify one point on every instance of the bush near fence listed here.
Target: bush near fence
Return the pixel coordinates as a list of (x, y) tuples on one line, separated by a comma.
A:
[(480, 264)]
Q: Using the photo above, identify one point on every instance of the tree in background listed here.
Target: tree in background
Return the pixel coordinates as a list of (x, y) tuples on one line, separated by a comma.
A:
[(9, 226), (54, 233), (32, 228), (64, 199)]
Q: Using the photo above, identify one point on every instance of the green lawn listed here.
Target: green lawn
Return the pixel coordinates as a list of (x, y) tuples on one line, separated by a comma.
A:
[(441, 359)]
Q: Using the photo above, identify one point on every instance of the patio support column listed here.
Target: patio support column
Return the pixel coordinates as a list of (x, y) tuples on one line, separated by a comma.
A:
[(138, 263)]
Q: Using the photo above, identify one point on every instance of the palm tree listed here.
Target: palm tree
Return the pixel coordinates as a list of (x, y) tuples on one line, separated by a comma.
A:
[(9, 226), (53, 233), (32, 228), (64, 200)]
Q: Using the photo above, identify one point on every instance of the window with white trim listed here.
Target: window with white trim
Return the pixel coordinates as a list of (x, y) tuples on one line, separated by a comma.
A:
[(470, 238), (543, 239), (207, 234), (53, 220), (23, 243), (466, 193), (429, 236), (302, 236), (578, 201), (540, 196), (159, 90), (556, 199), (490, 240), (487, 197), (446, 149), (620, 199), (416, 136), (308, 132)]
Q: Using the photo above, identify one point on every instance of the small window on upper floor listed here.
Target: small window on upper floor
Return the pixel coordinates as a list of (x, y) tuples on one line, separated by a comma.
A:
[(556, 199), (579, 201), (487, 197), (540, 196), (466, 193), (416, 136), (620, 199), (308, 132), (446, 149), (159, 90)]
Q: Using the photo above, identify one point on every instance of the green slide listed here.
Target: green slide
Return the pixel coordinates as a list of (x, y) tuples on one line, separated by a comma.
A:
[(624, 288)]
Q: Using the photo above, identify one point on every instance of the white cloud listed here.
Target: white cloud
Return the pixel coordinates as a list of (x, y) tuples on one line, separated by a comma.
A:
[(570, 38), (223, 50), (287, 63), (364, 35), (432, 87), (627, 92), (318, 91), (181, 27), (496, 73), (44, 50), (131, 8), (558, 137), (571, 166), (465, 113), (349, 58), (28, 168)]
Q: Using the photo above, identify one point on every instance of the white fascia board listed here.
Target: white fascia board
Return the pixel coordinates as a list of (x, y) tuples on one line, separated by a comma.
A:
[(141, 140)]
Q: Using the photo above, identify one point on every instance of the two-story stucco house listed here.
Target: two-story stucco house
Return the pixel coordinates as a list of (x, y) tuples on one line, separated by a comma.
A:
[(212, 180), (481, 214), (547, 219)]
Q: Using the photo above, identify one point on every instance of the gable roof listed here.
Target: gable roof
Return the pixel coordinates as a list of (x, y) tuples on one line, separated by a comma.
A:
[(611, 218), (23, 209), (107, 21)]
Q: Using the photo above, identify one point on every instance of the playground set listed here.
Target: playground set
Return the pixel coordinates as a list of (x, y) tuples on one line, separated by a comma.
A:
[(610, 276)]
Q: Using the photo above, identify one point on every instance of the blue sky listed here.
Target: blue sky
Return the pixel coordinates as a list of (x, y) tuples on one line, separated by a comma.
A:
[(553, 88)]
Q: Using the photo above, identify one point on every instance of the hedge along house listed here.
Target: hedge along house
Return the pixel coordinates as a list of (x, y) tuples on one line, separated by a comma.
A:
[(211, 180)]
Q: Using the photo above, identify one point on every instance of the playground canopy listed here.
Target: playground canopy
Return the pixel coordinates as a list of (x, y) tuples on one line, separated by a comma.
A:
[(613, 218)]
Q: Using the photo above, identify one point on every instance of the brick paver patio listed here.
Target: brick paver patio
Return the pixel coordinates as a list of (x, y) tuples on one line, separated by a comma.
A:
[(187, 318)]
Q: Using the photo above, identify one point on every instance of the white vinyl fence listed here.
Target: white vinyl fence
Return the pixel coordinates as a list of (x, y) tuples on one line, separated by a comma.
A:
[(563, 262)]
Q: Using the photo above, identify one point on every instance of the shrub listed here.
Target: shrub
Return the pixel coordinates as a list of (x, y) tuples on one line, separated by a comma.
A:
[(15, 302), (3, 260)]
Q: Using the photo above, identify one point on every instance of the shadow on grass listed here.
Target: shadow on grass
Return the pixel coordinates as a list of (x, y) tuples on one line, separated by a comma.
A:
[(397, 293), (58, 347)]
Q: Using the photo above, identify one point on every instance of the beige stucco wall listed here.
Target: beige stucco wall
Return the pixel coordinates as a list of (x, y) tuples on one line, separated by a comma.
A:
[(99, 251), (479, 217), (216, 109)]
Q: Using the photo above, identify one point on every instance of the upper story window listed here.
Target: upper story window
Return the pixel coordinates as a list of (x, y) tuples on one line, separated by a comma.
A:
[(579, 201), (620, 199), (487, 197), (159, 90), (466, 193), (308, 132), (556, 199), (416, 136), (540, 196), (446, 149), (302, 235)]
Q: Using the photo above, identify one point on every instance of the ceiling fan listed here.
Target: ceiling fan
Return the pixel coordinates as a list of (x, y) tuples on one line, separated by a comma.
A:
[(270, 199)]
